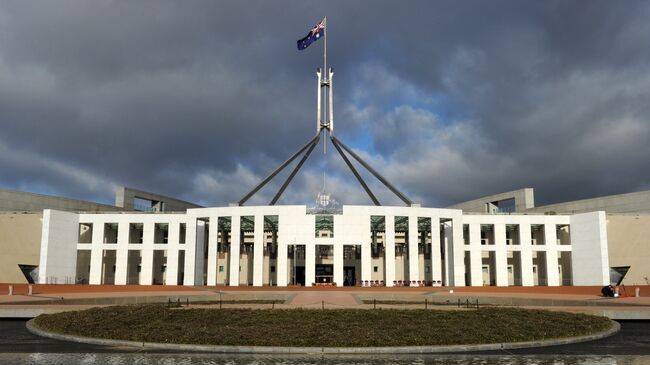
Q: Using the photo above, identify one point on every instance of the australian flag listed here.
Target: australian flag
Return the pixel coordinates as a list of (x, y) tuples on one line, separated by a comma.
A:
[(315, 34)]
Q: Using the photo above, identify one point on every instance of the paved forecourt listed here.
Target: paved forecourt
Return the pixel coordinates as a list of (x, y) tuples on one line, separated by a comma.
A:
[(57, 298)]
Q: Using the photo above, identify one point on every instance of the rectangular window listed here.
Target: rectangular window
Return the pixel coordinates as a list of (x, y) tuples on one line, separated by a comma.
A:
[(563, 233), (272, 268), (220, 268), (466, 234), (181, 233), (110, 232), (376, 268), (487, 234), (136, 232), (324, 226), (85, 233), (161, 233), (512, 234), (537, 234)]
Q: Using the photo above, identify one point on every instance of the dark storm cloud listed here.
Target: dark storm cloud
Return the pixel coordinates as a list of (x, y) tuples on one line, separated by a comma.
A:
[(201, 99)]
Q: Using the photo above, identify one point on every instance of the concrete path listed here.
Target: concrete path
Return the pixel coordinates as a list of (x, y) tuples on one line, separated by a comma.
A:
[(305, 299)]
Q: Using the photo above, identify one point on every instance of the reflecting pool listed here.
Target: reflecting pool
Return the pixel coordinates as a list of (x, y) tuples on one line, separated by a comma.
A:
[(145, 359)]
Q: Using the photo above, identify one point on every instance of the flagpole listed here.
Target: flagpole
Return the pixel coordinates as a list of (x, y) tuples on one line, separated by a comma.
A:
[(325, 48), (325, 73)]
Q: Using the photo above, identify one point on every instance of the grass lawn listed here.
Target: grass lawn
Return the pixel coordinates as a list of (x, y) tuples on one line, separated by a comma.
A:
[(329, 328)]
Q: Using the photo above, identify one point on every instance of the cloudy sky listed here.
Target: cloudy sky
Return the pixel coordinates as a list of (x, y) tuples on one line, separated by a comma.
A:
[(202, 99)]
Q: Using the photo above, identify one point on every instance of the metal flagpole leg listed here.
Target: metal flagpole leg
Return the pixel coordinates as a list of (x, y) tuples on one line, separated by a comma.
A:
[(375, 173), (354, 171), (272, 175), (293, 173)]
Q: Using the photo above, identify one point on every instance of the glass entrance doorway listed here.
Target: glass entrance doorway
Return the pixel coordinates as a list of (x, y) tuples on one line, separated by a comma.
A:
[(324, 274), (349, 278), (299, 278)]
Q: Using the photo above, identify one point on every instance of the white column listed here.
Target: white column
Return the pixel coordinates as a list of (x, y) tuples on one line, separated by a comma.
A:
[(338, 264), (96, 253), (213, 233), (389, 241), (190, 248), (58, 253), (199, 253), (281, 263), (366, 259), (235, 242), (458, 252), (552, 273), (414, 261), (171, 274), (526, 253), (146, 270), (258, 250), (366, 253), (436, 259), (310, 263), (122, 253), (475, 254), (449, 259), (500, 254), (589, 250)]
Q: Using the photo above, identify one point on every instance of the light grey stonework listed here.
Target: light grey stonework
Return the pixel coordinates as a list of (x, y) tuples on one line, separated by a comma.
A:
[(19, 201)]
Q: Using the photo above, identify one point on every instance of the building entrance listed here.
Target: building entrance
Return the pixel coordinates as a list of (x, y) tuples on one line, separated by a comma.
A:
[(349, 278), (324, 274), (300, 276)]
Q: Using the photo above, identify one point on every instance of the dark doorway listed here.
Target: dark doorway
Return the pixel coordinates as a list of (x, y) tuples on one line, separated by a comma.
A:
[(300, 275), (31, 272), (324, 274), (349, 277)]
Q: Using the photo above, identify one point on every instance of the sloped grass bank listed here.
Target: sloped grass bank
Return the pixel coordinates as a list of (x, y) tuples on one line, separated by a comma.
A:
[(316, 328)]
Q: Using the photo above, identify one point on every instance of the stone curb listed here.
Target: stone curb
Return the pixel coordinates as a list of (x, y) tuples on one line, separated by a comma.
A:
[(31, 327)]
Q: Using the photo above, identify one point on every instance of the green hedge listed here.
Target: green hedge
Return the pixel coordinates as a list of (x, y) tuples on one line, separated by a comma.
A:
[(331, 328)]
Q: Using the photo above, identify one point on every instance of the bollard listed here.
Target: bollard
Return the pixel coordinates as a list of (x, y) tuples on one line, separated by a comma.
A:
[(11, 290), (178, 303), (322, 303), (458, 302), (374, 304), (476, 303), (169, 302), (426, 303), (273, 305), (187, 301), (30, 289), (637, 292), (467, 303)]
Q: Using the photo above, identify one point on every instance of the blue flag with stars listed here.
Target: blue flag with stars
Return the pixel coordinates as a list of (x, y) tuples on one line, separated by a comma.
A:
[(315, 34)]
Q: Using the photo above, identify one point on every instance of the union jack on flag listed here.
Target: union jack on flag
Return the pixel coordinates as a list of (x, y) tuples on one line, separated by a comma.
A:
[(315, 34)]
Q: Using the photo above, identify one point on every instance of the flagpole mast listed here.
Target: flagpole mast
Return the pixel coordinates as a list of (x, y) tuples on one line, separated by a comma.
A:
[(325, 77)]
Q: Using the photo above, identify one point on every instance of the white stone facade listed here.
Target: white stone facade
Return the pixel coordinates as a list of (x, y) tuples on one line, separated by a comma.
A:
[(280, 246)]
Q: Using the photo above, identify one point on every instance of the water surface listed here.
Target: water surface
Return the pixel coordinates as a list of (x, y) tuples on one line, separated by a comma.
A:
[(213, 359)]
